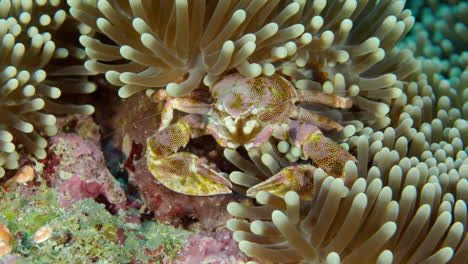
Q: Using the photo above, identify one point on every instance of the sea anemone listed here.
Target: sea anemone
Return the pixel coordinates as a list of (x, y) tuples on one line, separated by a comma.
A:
[(441, 28), (441, 32), (351, 53), (404, 201), (177, 43), (35, 67), (391, 205), (333, 46)]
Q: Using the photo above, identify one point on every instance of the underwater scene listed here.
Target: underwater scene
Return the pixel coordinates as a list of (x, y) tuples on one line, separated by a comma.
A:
[(233, 131)]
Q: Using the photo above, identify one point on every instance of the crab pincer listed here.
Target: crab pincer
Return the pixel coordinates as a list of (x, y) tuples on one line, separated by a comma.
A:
[(186, 173), (323, 151), (182, 172), (298, 178)]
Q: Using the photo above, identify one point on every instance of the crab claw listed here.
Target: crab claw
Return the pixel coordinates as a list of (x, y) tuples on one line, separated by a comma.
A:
[(298, 178), (186, 104), (186, 173), (169, 140), (327, 154)]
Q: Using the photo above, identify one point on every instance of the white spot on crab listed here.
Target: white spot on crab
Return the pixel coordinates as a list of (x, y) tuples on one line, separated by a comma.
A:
[(220, 107)]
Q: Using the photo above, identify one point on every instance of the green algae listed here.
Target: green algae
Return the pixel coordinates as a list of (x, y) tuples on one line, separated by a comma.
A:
[(85, 232)]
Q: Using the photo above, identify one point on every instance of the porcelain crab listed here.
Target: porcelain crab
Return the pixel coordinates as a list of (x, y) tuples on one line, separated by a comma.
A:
[(244, 112)]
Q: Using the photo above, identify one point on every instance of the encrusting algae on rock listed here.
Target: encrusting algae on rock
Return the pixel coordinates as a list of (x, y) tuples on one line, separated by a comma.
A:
[(42, 231)]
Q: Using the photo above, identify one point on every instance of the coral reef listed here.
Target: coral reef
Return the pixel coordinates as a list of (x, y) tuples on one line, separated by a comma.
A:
[(43, 231), (68, 208), (37, 69), (77, 169)]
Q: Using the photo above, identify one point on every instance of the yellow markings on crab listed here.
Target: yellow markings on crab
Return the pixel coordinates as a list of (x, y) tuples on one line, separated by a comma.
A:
[(298, 178), (169, 140), (181, 172), (237, 102), (327, 154), (184, 173), (315, 137), (258, 86), (280, 88)]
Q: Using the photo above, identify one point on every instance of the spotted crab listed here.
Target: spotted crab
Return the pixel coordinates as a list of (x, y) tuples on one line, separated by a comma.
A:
[(244, 112)]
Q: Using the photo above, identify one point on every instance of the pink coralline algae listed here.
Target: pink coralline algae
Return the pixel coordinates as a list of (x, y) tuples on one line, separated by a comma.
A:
[(14, 259), (80, 171), (211, 248)]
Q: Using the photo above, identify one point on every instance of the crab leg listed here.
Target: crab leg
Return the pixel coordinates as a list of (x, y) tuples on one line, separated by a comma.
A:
[(319, 97), (169, 140), (326, 153), (187, 105), (311, 143), (315, 119)]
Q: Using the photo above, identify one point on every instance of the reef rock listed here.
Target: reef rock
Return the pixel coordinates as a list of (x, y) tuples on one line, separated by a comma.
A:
[(214, 247), (76, 168)]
